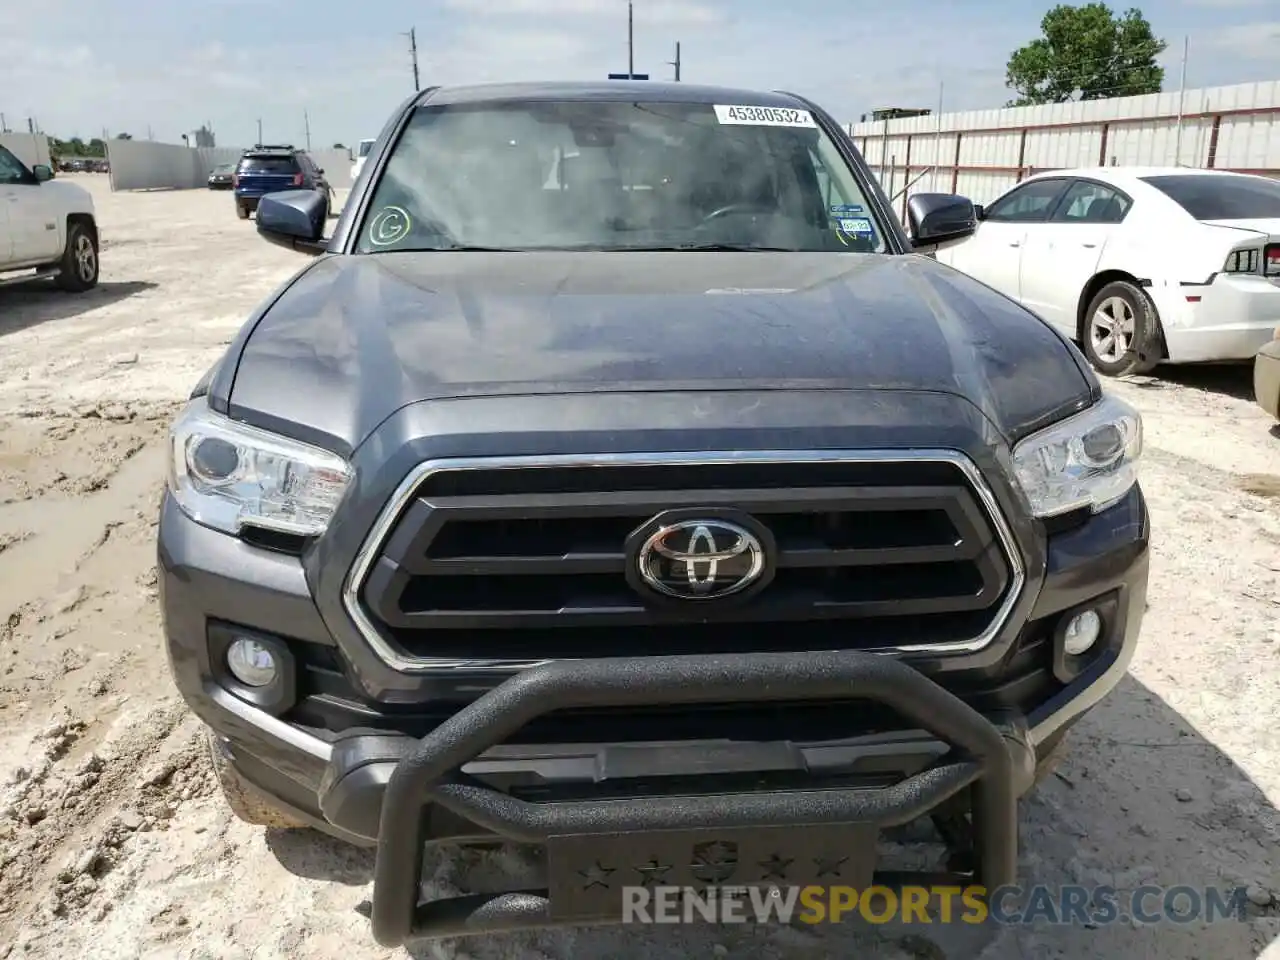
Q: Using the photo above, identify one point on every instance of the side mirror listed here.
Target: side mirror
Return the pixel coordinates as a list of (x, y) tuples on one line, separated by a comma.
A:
[(42, 172), (938, 217), (319, 169), (293, 219), (980, 211)]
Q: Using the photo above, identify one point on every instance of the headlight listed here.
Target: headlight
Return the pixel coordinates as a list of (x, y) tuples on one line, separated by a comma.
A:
[(227, 476), (1088, 460)]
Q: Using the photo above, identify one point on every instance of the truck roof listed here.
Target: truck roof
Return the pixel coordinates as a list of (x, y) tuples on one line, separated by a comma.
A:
[(618, 90)]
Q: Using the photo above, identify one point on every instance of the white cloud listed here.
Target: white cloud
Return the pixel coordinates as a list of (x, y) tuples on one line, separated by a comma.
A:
[(1248, 41), (647, 12)]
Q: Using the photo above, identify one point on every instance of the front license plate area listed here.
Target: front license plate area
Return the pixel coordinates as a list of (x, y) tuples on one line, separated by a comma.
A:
[(587, 872)]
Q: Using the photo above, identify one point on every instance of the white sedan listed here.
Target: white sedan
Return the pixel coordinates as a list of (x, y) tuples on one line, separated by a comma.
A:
[(1137, 265)]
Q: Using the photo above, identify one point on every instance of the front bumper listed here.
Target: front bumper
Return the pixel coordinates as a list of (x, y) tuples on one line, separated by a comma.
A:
[(1266, 378), (612, 836), (465, 781)]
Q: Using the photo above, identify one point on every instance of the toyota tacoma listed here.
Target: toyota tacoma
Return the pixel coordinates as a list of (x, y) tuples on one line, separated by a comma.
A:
[(620, 478)]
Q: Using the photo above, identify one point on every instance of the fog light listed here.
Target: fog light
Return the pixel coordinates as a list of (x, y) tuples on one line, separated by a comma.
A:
[(1082, 632), (252, 663)]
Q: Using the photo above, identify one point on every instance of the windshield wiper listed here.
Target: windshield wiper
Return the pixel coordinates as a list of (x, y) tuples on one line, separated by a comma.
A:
[(715, 247), (459, 247)]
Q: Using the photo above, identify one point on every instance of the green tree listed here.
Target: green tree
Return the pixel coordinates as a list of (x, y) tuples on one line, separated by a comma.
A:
[(339, 146), (96, 148), (1086, 53), (124, 136)]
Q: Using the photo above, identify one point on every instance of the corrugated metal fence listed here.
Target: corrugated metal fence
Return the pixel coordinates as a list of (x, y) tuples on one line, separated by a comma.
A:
[(982, 153), (148, 165)]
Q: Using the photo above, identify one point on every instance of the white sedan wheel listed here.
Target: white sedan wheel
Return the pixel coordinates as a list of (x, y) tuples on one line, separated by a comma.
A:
[(1111, 329)]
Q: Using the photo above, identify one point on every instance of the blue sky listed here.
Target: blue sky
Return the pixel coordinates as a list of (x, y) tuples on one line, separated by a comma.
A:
[(81, 65)]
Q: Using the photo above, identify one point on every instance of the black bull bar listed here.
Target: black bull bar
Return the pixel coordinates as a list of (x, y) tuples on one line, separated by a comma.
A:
[(431, 774)]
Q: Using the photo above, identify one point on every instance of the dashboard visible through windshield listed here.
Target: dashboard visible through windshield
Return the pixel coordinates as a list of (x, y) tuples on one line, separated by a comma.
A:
[(590, 175)]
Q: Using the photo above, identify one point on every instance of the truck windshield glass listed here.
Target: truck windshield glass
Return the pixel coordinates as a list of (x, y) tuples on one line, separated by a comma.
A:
[(577, 175), (11, 169)]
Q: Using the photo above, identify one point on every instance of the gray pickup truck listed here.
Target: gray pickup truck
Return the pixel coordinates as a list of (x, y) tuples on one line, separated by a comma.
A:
[(619, 478)]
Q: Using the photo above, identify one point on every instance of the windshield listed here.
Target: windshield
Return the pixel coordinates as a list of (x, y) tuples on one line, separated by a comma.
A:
[(1221, 197), (224, 168), (586, 175), (12, 169), (365, 147)]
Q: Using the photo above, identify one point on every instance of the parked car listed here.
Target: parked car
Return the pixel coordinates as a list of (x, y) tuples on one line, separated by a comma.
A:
[(678, 502), (267, 169), (221, 176), (1266, 374), (362, 152), (48, 229), (1138, 265)]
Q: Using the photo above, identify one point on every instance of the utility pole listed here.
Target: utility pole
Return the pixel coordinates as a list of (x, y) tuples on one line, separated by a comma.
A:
[(31, 125), (1182, 94), (306, 121), (937, 139), (676, 62), (413, 54), (259, 131), (4, 126), (631, 41)]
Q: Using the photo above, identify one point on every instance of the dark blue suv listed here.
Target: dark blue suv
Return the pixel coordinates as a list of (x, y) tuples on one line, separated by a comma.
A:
[(268, 169)]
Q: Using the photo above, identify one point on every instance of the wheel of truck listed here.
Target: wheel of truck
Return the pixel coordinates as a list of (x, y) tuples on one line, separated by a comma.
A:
[(245, 801), (79, 264), (1120, 334), (241, 212)]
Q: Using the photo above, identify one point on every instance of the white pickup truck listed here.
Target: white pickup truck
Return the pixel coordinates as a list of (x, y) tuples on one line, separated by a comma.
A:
[(47, 229)]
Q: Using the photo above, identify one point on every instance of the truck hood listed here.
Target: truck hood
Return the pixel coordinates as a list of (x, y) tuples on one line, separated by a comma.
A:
[(356, 337), (70, 197)]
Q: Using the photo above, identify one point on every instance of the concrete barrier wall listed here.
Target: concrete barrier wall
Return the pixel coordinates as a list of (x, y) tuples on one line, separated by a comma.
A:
[(206, 158), (30, 148), (148, 165), (336, 165), (983, 153)]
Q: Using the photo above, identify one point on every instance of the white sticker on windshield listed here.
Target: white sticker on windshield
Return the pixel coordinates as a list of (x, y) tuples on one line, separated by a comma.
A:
[(764, 116)]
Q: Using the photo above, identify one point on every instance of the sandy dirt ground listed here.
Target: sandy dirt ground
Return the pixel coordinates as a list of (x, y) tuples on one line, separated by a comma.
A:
[(114, 843)]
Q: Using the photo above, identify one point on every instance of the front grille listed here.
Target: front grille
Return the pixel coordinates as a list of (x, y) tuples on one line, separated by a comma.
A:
[(520, 564)]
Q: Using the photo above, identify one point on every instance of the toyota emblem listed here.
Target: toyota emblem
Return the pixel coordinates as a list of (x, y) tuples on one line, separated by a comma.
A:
[(700, 559)]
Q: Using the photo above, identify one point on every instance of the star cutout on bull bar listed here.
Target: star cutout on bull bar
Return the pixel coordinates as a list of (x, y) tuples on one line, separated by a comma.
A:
[(652, 873), (775, 868), (596, 875), (830, 867)]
